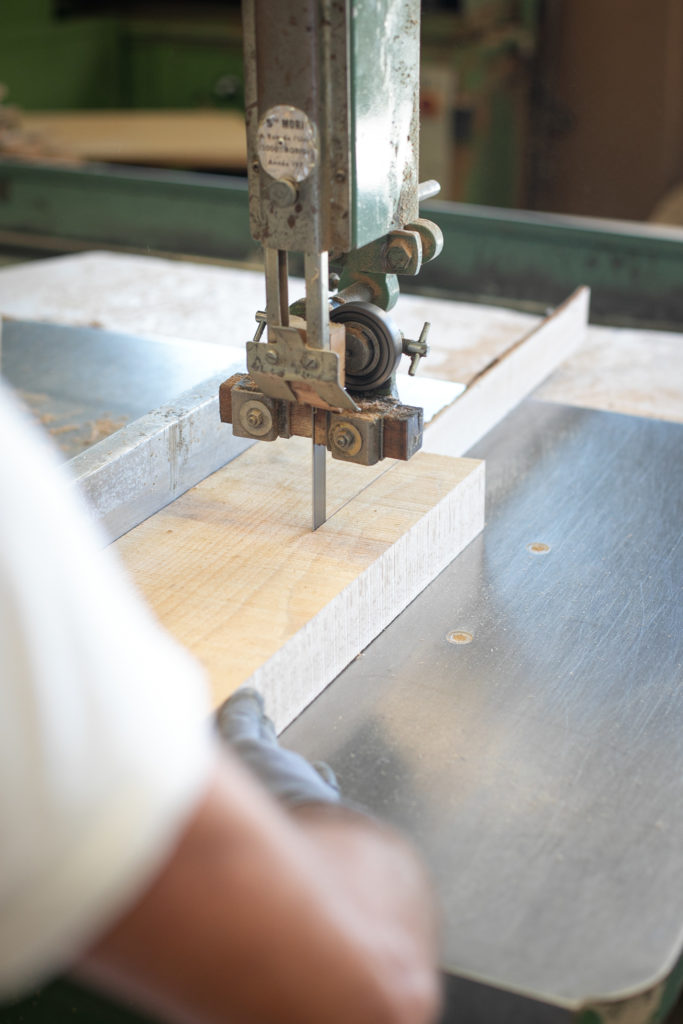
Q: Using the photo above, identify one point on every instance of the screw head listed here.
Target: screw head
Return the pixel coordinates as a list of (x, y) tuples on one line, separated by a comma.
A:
[(309, 363), (271, 356), (283, 192)]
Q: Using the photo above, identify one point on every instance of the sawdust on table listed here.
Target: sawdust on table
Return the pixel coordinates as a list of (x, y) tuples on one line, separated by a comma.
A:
[(71, 437), (104, 426), (74, 438)]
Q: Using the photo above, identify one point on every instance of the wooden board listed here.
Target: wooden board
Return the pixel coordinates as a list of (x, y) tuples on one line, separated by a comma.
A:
[(510, 377), (233, 570), (166, 138)]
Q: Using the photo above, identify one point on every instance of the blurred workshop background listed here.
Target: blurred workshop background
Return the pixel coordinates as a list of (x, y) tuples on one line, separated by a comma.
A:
[(568, 106)]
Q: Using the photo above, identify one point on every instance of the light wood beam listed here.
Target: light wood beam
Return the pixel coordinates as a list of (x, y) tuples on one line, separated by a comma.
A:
[(234, 572)]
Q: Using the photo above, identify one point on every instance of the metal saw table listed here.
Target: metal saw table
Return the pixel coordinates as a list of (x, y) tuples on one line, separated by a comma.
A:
[(539, 767)]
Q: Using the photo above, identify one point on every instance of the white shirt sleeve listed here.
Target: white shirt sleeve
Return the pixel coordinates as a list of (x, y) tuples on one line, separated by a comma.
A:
[(105, 737)]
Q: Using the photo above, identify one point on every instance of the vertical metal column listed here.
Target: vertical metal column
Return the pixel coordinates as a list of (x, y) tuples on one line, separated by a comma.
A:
[(319, 478), (272, 267), (316, 266), (318, 335)]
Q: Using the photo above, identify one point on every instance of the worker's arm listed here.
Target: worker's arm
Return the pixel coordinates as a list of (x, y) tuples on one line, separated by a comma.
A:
[(261, 914)]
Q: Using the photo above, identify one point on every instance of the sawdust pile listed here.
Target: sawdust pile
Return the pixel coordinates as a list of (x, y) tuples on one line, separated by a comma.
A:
[(71, 435)]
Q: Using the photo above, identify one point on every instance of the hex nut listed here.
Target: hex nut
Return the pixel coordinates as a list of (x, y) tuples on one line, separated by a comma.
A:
[(397, 258), (345, 438), (256, 418)]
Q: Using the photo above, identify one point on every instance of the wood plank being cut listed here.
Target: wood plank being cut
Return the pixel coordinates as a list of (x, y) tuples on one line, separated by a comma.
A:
[(233, 570)]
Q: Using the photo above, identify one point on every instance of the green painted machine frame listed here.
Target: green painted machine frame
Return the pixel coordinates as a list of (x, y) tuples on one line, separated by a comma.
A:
[(517, 258)]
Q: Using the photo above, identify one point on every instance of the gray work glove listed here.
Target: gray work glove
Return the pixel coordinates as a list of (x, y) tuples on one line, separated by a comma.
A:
[(246, 729)]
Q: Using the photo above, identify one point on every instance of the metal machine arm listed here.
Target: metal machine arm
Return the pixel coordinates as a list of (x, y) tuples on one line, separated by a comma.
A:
[(332, 105)]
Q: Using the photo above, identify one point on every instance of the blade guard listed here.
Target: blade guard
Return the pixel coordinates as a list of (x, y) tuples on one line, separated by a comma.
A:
[(286, 367)]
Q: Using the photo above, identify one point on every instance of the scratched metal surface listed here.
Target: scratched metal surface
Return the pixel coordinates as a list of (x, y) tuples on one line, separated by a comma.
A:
[(540, 766), (137, 417), (86, 382)]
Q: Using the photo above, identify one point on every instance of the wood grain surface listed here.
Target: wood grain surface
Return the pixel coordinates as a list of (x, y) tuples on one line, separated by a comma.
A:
[(235, 573)]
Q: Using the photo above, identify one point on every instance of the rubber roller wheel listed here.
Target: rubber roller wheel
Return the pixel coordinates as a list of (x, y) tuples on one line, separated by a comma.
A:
[(373, 344)]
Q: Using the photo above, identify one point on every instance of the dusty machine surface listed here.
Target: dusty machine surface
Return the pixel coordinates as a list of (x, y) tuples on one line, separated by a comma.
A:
[(332, 104)]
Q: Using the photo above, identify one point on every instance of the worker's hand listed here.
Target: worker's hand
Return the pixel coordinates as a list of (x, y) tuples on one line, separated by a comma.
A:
[(289, 777)]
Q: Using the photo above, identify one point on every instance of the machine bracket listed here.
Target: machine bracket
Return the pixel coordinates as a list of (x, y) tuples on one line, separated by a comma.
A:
[(379, 428)]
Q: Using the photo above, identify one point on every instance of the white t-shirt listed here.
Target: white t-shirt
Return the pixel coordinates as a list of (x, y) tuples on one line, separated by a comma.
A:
[(105, 737)]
